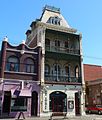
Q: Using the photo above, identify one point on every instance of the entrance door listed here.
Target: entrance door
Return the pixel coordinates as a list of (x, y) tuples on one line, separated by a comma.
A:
[(77, 103), (6, 102), (34, 103), (58, 102)]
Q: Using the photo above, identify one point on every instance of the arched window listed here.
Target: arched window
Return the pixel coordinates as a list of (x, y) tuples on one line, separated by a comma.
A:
[(29, 65), (56, 72), (67, 71), (47, 42), (77, 72), (57, 43), (66, 44), (47, 69), (54, 20), (57, 69), (12, 64)]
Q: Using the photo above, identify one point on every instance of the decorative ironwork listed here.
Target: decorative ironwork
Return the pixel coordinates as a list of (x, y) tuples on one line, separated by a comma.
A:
[(62, 50)]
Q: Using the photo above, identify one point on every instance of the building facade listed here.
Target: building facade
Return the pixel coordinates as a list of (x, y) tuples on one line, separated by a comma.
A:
[(93, 80), (62, 81), (19, 79)]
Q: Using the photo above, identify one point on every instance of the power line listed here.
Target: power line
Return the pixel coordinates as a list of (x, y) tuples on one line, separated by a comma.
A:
[(92, 57)]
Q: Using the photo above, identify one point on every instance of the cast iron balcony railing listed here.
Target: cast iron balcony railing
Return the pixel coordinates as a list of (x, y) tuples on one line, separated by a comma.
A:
[(64, 78), (62, 50)]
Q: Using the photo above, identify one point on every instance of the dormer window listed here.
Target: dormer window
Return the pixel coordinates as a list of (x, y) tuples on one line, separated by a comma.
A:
[(54, 20)]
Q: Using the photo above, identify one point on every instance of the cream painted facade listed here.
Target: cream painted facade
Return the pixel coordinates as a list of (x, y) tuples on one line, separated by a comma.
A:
[(61, 64)]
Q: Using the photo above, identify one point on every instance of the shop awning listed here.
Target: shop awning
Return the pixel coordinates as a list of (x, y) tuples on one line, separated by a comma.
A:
[(25, 93), (15, 92), (21, 92)]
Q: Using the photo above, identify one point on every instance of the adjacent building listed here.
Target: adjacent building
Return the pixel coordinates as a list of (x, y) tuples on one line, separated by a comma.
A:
[(93, 80), (19, 79), (62, 82)]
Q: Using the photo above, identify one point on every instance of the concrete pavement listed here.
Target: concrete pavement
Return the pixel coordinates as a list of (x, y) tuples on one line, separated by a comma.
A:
[(86, 117)]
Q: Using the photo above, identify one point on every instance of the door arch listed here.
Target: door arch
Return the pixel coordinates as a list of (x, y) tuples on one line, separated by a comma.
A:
[(34, 103), (58, 102)]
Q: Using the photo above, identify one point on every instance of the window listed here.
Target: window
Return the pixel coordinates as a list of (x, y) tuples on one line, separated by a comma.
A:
[(57, 43), (57, 69), (67, 71), (19, 104), (12, 64), (29, 65), (66, 44), (47, 69), (54, 20), (76, 71), (47, 42)]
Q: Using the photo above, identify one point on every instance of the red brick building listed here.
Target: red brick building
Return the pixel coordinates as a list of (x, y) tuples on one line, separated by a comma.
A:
[(93, 80), (19, 79)]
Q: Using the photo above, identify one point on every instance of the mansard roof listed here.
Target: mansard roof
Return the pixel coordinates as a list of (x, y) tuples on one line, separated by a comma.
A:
[(53, 12)]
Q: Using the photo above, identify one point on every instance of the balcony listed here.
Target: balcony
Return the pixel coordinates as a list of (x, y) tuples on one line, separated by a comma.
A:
[(62, 50), (64, 78)]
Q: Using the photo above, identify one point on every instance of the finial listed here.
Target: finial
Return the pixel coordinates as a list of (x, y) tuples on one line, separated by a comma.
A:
[(5, 39), (23, 41)]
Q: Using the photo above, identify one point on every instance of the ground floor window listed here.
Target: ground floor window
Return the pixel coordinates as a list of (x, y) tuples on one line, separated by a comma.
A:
[(19, 104)]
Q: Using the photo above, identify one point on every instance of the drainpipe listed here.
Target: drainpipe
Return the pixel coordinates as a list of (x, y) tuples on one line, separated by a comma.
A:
[(82, 76)]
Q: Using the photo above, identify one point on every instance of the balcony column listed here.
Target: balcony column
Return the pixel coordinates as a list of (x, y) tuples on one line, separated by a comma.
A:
[(82, 77), (41, 43)]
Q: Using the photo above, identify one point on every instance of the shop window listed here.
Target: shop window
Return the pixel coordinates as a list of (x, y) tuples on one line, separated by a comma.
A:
[(19, 104), (29, 65), (12, 64)]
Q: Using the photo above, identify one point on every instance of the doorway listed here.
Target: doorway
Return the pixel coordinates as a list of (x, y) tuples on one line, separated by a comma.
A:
[(7, 102), (34, 103), (77, 103), (58, 102)]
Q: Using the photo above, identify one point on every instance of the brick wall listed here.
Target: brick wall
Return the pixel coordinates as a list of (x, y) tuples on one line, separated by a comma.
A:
[(92, 72)]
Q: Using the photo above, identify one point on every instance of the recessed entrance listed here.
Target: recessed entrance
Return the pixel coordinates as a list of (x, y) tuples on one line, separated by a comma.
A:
[(34, 103), (6, 102), (77, 103), (58, 102)]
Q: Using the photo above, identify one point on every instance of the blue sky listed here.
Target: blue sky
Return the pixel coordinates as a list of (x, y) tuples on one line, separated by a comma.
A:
[(84, 15)]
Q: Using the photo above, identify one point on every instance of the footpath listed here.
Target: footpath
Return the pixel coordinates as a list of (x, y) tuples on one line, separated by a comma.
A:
[(86, 117)]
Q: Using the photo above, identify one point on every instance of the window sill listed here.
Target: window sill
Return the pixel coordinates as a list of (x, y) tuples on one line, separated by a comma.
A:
[(14, 72)]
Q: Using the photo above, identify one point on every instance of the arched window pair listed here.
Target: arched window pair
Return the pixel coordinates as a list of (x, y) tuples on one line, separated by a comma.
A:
[(56, 69), (13, 64)]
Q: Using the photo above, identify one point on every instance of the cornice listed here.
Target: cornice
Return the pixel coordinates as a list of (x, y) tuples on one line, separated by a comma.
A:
[(56, 27)]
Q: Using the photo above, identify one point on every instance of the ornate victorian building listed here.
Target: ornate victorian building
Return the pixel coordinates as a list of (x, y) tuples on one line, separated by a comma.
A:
[(62, 82)]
